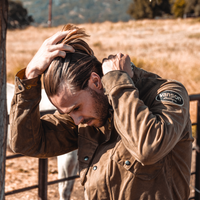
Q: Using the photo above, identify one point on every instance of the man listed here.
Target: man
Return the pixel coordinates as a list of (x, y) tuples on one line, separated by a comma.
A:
[(131, 127)]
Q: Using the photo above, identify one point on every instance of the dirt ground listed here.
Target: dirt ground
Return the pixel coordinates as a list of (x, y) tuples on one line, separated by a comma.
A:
[(23, 172)]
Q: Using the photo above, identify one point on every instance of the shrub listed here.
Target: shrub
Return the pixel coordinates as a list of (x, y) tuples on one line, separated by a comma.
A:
[(17, 15)]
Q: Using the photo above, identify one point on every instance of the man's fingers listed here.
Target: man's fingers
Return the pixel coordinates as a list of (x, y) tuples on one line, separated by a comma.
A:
[(59, 36), (62, 54), (111, 56), (61, 47), (104, 59), (119, 55), (58, 53), (54, 38)]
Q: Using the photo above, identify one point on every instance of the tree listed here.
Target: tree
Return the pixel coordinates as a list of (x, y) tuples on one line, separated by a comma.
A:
[(178, 7), (3, 111), (140, 9), (18, 15), (192, 8)]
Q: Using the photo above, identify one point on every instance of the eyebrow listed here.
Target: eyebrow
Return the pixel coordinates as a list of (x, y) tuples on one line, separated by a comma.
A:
[(61, 112), (71, 108)]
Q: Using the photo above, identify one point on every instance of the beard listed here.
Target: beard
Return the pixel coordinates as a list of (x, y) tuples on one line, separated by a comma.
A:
[(101, 107)]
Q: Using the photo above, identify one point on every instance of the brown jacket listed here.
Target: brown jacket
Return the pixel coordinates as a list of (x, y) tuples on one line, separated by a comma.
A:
[(143, 152)]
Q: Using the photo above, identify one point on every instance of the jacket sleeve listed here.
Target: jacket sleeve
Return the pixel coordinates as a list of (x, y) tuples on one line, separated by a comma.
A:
[(148, 133), (50, 135)]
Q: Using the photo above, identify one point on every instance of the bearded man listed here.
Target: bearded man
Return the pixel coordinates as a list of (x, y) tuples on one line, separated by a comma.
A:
[(131, 127)]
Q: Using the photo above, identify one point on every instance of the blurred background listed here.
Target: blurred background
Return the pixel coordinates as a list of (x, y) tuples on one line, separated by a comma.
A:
[(36, 12)]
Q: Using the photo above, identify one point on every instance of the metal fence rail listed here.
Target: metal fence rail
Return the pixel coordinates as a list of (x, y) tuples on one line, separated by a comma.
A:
[(197, 149), (43, 164), (42, 179), (42, 173)]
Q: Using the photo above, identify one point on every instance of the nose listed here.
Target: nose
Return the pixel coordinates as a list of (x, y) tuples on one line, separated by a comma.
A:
[(77, 119)]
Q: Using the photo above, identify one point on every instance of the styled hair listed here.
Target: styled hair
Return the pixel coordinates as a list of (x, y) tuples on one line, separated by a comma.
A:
[(75, 69)]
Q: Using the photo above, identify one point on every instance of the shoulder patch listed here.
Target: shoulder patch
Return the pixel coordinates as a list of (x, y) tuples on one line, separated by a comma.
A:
[(170, 96)]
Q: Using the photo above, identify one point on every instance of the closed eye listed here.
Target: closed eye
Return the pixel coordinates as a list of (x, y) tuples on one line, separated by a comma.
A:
[(75, 109)]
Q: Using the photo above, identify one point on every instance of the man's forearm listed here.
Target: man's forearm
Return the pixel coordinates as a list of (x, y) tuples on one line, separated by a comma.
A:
[(31, 135), (150, 131)]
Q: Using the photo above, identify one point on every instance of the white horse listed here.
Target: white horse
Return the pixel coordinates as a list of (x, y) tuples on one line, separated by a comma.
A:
[(67, 163)]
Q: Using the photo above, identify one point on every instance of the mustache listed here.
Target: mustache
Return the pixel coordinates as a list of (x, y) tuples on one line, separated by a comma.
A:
[(85, 121)]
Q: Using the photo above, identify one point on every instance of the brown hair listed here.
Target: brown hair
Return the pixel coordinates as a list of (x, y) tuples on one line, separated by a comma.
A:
[(75, 69)]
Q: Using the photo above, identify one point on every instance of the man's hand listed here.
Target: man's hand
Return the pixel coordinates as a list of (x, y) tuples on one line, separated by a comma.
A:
[(117, 62), (47, 52)]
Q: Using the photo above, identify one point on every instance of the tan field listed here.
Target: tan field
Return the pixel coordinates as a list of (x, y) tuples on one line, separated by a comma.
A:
[(170, 48)]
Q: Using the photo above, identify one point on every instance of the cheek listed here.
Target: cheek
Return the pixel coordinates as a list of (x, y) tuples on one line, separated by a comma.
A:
[(89, 109)]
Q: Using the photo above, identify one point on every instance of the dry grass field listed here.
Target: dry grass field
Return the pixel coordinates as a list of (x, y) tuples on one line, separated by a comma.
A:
[(170, 48)]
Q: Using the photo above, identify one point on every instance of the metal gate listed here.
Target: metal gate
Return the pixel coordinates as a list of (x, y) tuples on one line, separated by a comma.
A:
[(196, 148)]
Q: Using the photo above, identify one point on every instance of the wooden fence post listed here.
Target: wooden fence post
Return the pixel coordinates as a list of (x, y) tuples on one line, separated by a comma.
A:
[(197, 181), (3, 108), (42, 179)]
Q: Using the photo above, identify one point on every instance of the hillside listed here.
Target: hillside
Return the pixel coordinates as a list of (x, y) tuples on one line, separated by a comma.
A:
[(77, 11)]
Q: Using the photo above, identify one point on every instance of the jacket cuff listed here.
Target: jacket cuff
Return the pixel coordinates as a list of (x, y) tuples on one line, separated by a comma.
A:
[(28, 88), (114, 79)]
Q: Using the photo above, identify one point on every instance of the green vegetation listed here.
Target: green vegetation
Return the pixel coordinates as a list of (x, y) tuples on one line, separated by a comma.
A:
[(84, 11), (141, 9), (17, 15), (192, 8), (77, 11), (178, 8)]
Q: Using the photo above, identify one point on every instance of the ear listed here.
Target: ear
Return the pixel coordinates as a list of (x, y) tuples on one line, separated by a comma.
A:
[(95, 82)]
